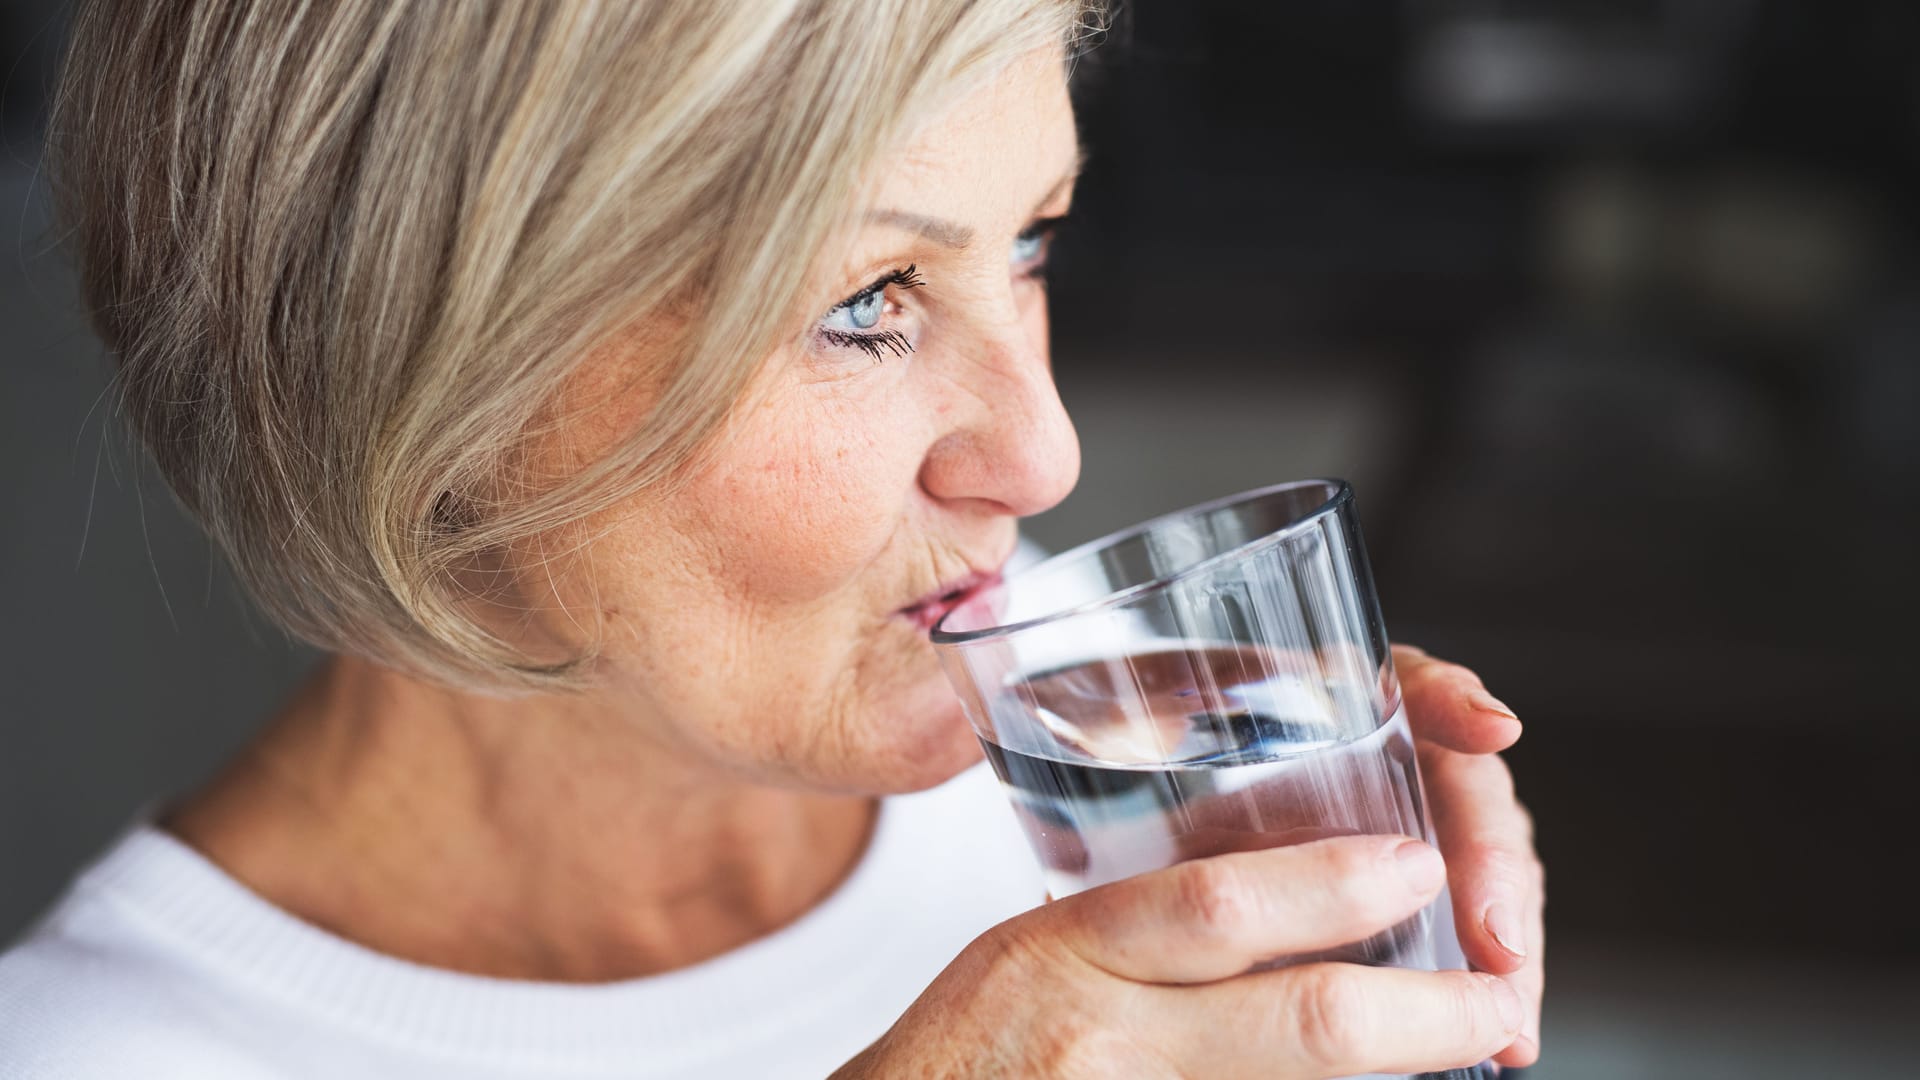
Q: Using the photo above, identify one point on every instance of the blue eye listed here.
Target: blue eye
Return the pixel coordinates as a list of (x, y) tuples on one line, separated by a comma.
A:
[(860, 312), (1028, 246), (1029, 255), (853, 323)]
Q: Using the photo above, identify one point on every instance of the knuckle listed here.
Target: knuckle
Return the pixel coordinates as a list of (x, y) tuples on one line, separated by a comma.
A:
[(1016, 954), (1507, 868), (1438, 671), (1357, 882), (1329, 1017), (1497, 780), (1525, 817), (1472, 1010), (1214, 899), (1345, 858)]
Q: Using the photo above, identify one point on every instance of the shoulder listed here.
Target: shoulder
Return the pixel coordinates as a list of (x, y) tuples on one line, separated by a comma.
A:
[(77, 1004)]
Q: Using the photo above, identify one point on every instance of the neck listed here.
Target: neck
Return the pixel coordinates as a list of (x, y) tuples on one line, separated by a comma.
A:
[(535, 838)]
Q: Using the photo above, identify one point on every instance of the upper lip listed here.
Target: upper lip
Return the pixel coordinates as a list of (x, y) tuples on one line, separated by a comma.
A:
[(937, 602)]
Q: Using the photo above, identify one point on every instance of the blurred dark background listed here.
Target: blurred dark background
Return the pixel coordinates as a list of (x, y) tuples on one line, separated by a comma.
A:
[(1610, 310)]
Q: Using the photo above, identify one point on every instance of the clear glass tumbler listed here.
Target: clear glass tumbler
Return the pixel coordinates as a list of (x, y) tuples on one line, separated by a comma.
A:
[(1214, 680)]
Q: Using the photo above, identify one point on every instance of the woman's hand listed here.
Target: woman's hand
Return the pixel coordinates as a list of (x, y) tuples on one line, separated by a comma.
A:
[(1149, 977), (1487, 837)]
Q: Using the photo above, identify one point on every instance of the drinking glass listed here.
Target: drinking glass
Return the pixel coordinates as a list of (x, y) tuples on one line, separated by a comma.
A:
[(1214, 680)]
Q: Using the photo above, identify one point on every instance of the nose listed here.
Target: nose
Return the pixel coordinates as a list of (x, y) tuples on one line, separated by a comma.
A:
[(1014, 446)]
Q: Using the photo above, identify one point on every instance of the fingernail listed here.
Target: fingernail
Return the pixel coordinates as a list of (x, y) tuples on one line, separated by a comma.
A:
[(1486, 702), (1420, 865), (1505, 1000), (1505, 929)]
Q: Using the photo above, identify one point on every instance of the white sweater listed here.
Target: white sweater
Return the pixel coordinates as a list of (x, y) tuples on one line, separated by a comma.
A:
[(157, 965)]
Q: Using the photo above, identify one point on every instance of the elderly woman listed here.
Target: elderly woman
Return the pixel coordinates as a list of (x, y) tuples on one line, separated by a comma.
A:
[(617, 392)]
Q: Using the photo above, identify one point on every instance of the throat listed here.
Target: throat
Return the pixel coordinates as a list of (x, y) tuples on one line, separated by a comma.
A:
[(435, 835)]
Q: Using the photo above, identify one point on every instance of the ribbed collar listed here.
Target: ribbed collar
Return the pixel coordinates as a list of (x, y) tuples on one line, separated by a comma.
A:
[(776, 984)]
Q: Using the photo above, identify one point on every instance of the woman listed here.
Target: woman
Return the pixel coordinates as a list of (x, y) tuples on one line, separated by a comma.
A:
[(618, 391)]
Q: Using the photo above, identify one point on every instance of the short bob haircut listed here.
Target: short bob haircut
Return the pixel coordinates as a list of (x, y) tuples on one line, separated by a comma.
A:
[(347, 255)]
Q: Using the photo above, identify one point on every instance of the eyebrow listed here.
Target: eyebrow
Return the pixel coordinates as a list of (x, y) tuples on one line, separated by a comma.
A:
[(954, 235), (938, 230)]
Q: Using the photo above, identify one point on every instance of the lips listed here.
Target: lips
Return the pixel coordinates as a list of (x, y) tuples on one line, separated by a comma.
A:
[(931, 608)]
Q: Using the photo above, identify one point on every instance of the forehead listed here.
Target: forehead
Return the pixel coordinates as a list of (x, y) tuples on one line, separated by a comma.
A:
[(993, 152)]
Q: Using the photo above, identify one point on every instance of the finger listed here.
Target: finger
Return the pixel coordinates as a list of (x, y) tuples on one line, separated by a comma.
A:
[(1216, 917), (1448, 704), (1322, 1020), (1488, 841), (1530, 981)]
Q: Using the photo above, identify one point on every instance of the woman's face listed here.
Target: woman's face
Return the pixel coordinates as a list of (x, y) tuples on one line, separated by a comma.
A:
[(771, 617)]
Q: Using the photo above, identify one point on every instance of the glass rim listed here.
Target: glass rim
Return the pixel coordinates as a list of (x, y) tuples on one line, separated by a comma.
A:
[(1342, 494)]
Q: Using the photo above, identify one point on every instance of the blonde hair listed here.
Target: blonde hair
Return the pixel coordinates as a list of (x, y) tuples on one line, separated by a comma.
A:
[(349, 253)]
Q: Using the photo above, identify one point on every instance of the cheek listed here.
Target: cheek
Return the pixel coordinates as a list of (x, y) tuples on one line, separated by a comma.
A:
[(1034, 317), (797, 512), (802, 528)]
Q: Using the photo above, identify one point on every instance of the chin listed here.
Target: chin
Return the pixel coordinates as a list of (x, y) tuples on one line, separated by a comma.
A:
[(928, 741)]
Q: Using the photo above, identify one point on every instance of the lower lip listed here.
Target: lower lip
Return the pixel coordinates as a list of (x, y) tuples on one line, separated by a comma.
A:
[(927, 616)]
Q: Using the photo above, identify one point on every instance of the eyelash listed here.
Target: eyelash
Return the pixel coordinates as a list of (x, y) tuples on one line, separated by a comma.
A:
[(874, 343), (880, 344), (890, 341), (1044, 231)]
